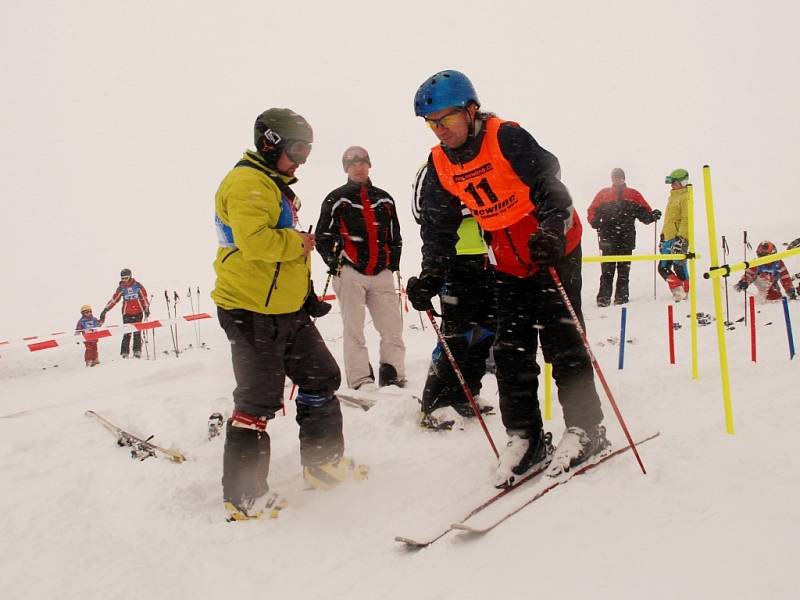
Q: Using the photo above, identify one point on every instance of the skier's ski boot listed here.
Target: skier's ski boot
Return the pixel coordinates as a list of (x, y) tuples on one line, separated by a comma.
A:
[(521, 455), (577, 446), (249, 508), (327, 476), (215, 425), (387, 375)]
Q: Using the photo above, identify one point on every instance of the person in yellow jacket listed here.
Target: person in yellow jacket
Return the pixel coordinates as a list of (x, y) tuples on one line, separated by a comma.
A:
[(675, 234), (265, 303)]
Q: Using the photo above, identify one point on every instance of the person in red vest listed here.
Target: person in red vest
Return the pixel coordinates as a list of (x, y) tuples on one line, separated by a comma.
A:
[(135, 308), (512, 187), (614, 212), (358, 237)]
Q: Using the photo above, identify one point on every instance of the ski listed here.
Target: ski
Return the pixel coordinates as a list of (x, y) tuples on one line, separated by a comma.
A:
[(476, 530), (366, 400), (417, 543), (140, 449)]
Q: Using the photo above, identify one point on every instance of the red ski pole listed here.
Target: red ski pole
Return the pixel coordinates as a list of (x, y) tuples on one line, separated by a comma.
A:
[(462, 381), (579, 328)]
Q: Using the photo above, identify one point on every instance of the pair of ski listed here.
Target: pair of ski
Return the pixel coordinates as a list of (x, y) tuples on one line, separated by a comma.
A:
[(140, 449), (462, 525)]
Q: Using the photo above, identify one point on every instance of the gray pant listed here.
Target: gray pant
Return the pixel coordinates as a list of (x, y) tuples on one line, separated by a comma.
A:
[(356, 291)]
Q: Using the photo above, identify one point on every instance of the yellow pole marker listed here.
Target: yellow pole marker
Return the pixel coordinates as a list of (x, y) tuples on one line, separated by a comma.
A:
[(725, 270), (548, 391), (692, 283), (635, 257), (720, 319)]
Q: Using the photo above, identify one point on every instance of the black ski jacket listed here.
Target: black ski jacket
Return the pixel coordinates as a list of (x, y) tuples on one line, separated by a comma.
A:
[(360, 221)]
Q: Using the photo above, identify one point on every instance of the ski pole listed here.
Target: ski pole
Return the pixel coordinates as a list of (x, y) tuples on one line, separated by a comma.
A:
[(175, 310), (655, 264), (462, 381), (746, 246), (400, 295), (169, 317), (154, 333), (191, 301), (725, 252), (582, 333), (199, 337)]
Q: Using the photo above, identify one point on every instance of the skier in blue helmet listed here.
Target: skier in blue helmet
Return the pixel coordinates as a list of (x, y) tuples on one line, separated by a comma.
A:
[(511, 186)]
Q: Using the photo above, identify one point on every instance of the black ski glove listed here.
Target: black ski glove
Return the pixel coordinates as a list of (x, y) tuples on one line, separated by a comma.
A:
[(315, 307), (741, 286), (792, 294), (420, 290), (546, 247), (656, 214)]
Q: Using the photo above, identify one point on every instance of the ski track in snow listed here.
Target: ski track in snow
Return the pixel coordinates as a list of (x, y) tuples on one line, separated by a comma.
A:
[(715, 517)]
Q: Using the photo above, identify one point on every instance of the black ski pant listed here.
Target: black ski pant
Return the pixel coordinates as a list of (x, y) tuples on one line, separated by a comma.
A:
[(267, 348), (124, 349), (530, 311), (468, 324), (607, 270)]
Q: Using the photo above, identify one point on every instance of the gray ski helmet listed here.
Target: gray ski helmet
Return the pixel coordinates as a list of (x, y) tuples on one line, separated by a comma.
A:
[(125, 273), (284, 122), (618, 173), (355, 154)]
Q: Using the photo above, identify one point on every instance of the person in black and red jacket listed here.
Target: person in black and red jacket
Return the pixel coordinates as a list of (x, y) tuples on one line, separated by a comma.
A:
[(358, 236), (135, 307), (613, 212)]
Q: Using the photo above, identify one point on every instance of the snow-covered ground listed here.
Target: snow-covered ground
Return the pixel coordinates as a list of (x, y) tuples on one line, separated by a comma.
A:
[(716, 517), (119, 120)]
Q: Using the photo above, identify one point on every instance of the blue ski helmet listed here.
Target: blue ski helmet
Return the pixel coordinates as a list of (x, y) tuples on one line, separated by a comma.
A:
[(445, 89)]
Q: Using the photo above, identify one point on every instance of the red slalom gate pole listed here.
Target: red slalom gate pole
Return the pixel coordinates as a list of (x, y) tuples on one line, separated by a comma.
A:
[(462, 381), (752, 328), (671, 325), (576, 322)]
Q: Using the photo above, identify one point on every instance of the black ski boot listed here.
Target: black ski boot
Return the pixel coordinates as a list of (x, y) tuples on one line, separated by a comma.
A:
[(387, 375)]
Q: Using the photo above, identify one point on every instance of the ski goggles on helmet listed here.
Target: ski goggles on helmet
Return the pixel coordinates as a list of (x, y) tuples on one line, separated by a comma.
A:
[(297, 151), (446, 121)]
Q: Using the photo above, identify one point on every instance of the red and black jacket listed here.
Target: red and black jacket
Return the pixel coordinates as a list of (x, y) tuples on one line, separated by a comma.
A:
[(133, 296), (360, 221), (613, 212)]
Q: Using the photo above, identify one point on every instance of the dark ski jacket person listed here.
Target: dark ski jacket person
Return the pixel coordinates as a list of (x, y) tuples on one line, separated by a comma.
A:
[(511, 186), (675, 235), (467, 300), (358, 237), (614, 212), (262, 294), (768, 277), (135, 308)]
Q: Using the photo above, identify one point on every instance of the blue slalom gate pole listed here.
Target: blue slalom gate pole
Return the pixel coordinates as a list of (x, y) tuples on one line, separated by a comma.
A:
[(788, 327), (622, 337)]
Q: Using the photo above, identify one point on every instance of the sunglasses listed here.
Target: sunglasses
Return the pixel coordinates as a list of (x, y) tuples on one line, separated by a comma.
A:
[(297, 151), (446, 121)]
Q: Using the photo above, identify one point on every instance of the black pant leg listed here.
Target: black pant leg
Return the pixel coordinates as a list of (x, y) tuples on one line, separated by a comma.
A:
[(621, 294), (516, 341), (257, 352), (563, 347)]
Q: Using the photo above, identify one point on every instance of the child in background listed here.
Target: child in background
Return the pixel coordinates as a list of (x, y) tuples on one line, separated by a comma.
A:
[(88, 322), (766, 277)]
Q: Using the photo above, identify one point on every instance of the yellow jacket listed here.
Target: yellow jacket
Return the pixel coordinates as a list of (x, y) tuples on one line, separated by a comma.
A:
[(676, 215), (260, 264)]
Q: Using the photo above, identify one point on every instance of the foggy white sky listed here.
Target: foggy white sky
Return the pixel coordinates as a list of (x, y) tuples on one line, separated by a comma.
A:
[(120, 119)]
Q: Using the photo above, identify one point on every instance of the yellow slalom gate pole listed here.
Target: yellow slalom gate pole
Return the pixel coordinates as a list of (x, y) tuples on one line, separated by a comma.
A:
[(635, 257), (692, 284), (717, 288), (548, 391)]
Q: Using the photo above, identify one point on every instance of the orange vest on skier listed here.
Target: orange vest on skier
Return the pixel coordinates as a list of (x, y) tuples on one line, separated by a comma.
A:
[(500, 201)]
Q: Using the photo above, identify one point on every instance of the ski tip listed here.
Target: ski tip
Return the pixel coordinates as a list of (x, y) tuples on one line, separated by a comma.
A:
[(463, 527)]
